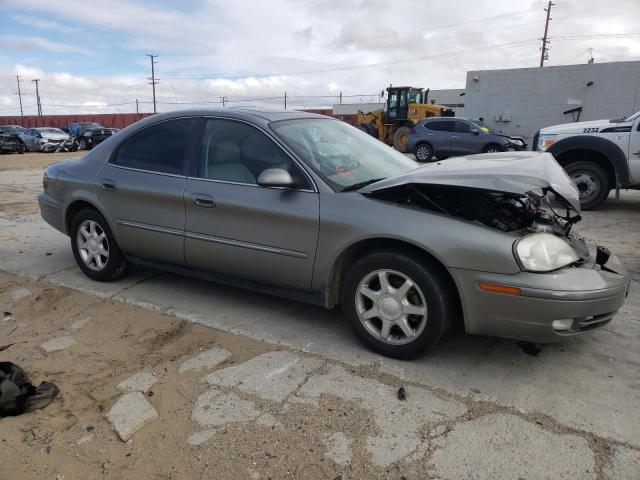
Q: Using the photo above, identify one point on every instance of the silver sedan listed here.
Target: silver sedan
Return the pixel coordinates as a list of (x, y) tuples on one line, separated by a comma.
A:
[(308, 207)]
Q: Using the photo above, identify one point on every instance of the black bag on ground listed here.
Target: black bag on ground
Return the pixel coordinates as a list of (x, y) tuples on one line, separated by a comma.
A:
[(18, 395)]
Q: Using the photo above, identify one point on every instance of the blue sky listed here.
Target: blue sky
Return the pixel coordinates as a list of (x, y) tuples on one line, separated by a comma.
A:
[(92, 53)]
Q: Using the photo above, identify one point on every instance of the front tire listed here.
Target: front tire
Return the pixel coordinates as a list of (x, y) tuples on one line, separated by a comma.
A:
[(397, 305), (592, 183), (82, 144), (400, 139), (94, 247), (493, 148)]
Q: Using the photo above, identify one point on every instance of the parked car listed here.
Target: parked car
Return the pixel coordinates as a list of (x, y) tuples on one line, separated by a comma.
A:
[(311, 208), (599, 155), (454, 136), (88, 134), (10, 141), (46, 139)]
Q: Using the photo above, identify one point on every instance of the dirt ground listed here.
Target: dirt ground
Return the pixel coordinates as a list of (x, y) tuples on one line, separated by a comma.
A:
[(34, 160)]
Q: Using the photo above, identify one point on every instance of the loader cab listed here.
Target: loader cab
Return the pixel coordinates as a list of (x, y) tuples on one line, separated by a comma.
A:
[(398, 100)]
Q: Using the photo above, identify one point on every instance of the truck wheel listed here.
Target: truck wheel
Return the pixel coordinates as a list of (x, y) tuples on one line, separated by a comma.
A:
[(400, 139), (424, 152), (397, 305), (592, 182)]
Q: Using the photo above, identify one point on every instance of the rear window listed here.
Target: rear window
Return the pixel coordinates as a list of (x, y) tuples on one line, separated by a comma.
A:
[(441, 125), (159, 148)]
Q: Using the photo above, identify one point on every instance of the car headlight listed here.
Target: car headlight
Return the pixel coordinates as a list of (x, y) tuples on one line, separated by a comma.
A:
[(516, 141), (544, 252), (545, 141)]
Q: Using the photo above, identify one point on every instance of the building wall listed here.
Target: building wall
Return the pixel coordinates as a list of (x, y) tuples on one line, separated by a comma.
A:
[(521, 101), (450, 98)]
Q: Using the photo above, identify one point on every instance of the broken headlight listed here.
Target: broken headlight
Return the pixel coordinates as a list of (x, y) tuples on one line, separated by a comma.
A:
[(544, 252)]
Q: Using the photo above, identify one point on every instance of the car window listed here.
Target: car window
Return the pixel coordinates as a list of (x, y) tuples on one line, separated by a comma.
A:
[(159, 148), (441, 125), (234, 151), (462, 127)]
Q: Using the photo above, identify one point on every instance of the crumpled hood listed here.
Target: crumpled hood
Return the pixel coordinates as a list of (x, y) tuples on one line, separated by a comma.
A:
[(512, 172), (54, 136)]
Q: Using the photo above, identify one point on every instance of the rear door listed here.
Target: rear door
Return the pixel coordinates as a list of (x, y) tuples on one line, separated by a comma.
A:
[(463, 141), (439, 135), (237, 228), (142, 188)]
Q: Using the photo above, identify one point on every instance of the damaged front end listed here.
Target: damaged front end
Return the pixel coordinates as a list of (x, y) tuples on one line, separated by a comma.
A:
[(521, 193)]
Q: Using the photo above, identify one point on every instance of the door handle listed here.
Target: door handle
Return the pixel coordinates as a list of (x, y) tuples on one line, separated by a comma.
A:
[(430, 134), (108, 185), (203, 200)]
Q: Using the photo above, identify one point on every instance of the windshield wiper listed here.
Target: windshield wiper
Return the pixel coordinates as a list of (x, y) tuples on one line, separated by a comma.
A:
[(359, 185)]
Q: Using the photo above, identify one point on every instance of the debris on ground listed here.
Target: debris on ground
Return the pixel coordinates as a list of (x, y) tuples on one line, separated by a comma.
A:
[(56, 344), (207, 359), (140, 382), (18, 395), (19, 294), (402, 394)]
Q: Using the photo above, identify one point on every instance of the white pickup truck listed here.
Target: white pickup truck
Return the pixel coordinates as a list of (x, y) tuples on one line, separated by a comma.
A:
[(599, 156)]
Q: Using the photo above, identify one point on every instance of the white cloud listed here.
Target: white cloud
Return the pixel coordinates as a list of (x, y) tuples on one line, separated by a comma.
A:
[(252, 49)]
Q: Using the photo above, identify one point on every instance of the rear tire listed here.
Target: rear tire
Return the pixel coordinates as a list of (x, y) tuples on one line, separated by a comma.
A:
[(592, 182), (379, 311), (94, 247), (424, 152), (400, 139)]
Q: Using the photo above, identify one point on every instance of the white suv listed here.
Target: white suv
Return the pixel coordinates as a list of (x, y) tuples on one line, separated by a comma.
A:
[(598, 155)]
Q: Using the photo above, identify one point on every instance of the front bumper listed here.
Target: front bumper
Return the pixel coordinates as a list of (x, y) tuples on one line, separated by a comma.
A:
[(589, 295)]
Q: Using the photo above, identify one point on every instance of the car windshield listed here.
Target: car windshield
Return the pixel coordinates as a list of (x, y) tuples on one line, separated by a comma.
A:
[(481, 126), (90, 125), (633, 117), (343, 155), (50, 130)]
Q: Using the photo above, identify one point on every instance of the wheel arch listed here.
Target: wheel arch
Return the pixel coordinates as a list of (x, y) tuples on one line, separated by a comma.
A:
[(594, 149), (362, 247), (78, 204)]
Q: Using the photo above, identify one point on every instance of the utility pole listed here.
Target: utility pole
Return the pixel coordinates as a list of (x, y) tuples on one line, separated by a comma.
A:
[(285, 100), (38, 96), (153, 81), (137, 109), (224, 101), (340, 98), (545, 38), (590, 60), (20, 96)]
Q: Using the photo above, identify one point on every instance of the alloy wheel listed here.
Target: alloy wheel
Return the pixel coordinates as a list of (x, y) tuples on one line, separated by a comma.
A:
[(391, 307), (423, 153), (93, 245)]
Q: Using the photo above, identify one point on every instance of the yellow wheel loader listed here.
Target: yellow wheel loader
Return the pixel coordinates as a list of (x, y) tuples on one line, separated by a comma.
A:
[(405, 106)]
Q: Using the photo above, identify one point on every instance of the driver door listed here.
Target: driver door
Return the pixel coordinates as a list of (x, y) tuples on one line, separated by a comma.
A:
[(238, 228)]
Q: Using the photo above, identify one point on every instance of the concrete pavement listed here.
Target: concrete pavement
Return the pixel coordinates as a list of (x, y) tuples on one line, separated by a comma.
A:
[(584, 389)]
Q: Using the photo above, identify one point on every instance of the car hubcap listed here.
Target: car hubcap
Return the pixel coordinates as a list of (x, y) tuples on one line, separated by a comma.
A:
[(493, 150), (93, 245), (588, 185), (391, 307), (423, 153)]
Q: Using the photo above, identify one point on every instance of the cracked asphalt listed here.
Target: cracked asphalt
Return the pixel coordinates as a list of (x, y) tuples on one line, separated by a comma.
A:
[(307, 401)]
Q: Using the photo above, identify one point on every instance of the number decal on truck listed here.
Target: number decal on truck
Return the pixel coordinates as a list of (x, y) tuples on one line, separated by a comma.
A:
[(591, 130)]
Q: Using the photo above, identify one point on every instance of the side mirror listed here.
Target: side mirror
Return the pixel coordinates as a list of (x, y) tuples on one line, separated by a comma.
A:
[(275, 177), (475, 131)]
